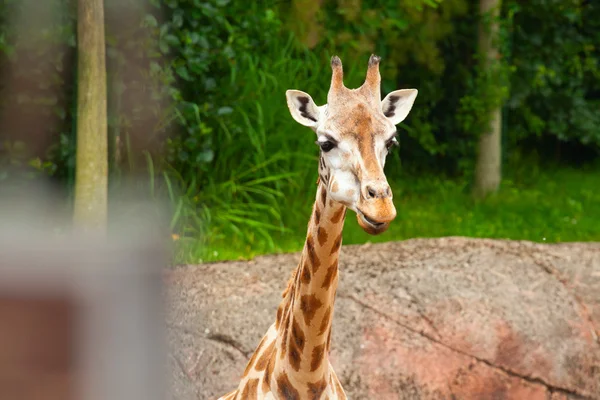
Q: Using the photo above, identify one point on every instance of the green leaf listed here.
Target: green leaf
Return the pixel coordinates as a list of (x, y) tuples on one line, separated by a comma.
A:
[(224, 110), (172, 40), (205, 156), (150, 21), (183, 73)]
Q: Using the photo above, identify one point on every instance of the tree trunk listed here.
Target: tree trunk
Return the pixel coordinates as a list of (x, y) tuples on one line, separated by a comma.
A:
[(91, 179), (488, 169)]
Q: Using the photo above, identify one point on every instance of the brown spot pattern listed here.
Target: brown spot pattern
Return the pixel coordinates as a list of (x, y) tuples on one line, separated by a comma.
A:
[(337, 217), (330, 276), (261, 364), (306, 273), (315, 390), (294, 356), (284, 337), (312, 255), (317, 357), (321, 236), (324, 196), (335, 187), (253, 358), (298, 335), (309, 304), (336, 244), (296, 345), (317, 215), (325, 321), (279, 316), (285, 389), (250, 391), (266, 383)]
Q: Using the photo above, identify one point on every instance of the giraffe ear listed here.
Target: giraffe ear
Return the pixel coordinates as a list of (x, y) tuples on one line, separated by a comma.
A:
[(303, 108), (398, 104)]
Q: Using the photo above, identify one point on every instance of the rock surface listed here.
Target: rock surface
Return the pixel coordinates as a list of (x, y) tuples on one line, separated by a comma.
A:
[(450, 318)]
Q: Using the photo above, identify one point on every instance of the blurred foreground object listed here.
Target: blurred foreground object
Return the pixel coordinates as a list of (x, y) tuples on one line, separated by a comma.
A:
[(81, 318), (91, 180)]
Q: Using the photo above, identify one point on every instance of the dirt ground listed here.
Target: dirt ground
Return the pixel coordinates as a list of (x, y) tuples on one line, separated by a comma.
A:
[(450, 318)]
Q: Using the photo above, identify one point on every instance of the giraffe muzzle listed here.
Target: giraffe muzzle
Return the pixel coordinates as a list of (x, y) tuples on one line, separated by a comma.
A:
[(376, 225)]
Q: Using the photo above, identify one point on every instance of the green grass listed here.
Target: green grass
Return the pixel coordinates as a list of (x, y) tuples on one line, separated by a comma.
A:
[(561, 205), (262, 159), (553, 205)]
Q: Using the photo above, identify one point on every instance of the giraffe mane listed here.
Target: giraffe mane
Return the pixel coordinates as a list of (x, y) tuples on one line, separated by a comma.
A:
[(290, 283)]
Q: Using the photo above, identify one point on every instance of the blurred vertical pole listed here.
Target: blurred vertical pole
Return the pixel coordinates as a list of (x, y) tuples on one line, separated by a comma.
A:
[(488, 171), (91, 173)]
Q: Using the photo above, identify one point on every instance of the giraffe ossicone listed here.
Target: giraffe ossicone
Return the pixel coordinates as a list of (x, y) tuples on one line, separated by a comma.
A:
[(355, 131)]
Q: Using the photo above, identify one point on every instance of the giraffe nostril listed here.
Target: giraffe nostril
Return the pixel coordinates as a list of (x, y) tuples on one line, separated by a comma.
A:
[(371, 192)]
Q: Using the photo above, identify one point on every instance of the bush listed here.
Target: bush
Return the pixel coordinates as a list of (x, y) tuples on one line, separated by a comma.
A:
[(196, 96), (555, 91)]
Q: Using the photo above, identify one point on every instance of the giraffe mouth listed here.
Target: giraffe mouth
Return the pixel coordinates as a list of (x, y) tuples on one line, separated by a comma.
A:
[(369, 225), (371, 221)]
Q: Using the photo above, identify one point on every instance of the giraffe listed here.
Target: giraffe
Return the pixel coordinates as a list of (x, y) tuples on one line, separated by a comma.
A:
[(355, 131)]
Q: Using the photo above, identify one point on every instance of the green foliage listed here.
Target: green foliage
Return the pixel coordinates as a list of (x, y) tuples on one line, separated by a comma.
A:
[(418, 43), (196, 103), (206, 43), (221, 175), (556, 88), (488, 87), (258, 182)]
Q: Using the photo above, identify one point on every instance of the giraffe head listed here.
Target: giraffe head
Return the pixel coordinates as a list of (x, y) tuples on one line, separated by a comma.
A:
[(355, 131)]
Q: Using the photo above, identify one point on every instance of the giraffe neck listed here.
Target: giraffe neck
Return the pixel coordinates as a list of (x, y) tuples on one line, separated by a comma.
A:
[(305, 314)]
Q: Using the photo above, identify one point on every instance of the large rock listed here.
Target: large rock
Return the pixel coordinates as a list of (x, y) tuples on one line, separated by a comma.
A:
[(450, 318)]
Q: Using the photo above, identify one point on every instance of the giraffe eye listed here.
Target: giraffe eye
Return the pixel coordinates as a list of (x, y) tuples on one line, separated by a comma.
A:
[(326, 146), (392, 142)]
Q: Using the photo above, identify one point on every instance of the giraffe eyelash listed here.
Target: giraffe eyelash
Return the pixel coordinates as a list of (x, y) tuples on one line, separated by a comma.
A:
[(326, 146), (391, 142)]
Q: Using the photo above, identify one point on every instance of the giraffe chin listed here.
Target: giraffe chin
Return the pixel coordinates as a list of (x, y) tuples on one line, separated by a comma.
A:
[(369, 227)]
